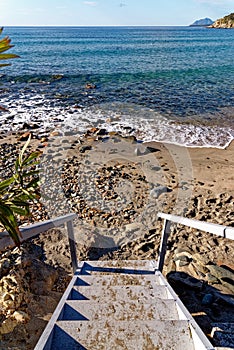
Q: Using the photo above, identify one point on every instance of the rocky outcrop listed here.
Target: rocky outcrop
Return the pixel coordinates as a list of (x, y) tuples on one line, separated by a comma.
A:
[(225, 22), (202, 22)]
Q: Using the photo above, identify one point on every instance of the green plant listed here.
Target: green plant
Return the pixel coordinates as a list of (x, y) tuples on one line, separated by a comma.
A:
[(5, 44), (18, 191)]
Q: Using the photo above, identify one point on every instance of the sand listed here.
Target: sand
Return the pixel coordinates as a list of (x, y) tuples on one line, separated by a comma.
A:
[(195, 182)]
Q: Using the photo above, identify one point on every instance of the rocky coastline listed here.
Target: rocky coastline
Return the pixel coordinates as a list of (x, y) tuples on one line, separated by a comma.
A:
[(226, 22)]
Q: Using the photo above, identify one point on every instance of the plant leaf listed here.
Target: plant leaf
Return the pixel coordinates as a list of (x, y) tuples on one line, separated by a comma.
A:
[(29, 159), (9, 221), (5, 64), (21, 211), (6, 183), (20, 158), (7, 56)]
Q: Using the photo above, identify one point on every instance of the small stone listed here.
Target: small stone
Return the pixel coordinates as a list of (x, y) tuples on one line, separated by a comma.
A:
[(24, 136), (220, 272), (21, 316), (83, 149), (156, 192), (207, 299), (211, 279)]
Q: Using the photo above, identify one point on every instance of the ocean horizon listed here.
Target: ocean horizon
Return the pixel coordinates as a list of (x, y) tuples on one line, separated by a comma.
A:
[(170, 83)]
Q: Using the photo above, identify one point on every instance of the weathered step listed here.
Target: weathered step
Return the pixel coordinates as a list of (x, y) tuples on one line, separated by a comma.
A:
[(140, 335), (117, 279), (118, 293), (159, 309), (135, 267)]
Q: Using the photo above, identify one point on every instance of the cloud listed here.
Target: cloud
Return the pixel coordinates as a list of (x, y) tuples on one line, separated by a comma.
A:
[(90, 3)]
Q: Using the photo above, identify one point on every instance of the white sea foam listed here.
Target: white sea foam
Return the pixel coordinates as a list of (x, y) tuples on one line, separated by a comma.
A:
[(145, 124)]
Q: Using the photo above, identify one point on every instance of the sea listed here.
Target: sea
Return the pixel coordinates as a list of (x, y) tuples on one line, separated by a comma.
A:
[(169, 84)]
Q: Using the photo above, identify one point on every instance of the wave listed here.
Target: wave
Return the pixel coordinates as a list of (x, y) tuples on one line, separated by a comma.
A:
[(128, 119)]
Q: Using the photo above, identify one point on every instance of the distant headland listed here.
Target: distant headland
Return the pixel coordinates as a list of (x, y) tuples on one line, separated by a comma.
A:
[(204, 22), (225, 22)]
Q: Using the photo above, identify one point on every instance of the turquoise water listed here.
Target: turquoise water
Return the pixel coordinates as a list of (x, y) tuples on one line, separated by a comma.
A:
[(152, 79)]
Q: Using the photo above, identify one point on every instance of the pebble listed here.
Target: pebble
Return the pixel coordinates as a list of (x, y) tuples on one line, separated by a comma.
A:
[(207, 299)]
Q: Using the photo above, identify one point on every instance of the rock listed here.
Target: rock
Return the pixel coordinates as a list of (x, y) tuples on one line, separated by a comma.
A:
[(90, 86), (102, 132), (207, 299), (211, 279), (180, 252), (152, 149), (229, 300), (132, 227), (55, 133), (182, 260), (4, 266), (156, 192), (223, 334), (225, 22), (185, 279), (21, 316), (3, 109), (8, 325), (227, 283), (220, 272), (202, 22), (24, 136), (30, 126), (83, 149)]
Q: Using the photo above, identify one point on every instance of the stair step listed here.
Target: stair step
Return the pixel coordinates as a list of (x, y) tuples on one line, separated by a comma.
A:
[(121, 311), (117, 279), (135, 267), (118, 293), (140, 335)]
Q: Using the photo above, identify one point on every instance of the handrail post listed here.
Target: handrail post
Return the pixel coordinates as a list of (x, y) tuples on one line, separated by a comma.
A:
[(163, 244), (71, 239)]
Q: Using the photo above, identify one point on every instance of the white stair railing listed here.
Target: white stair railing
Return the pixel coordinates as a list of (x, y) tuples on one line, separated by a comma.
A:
[(219, 230), (39, 227)]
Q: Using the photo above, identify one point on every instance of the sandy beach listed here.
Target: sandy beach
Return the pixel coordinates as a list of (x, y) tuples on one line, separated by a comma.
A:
[(142, 179)]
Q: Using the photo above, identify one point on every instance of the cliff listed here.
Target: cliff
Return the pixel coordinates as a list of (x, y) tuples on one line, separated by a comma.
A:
[(225, 22)]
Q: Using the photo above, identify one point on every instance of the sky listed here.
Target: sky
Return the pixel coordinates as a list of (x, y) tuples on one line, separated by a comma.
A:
[(110, 12)]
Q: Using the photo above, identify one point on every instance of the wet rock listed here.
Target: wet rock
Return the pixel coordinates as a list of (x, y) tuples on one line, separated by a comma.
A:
[(90, 86)]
